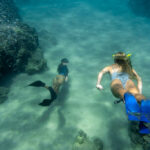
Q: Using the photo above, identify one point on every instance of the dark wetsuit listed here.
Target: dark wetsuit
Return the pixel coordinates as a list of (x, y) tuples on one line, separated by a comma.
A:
[(63, 70)]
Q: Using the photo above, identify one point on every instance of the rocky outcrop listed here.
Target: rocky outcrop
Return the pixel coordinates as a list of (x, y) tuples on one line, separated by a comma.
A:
[(19, 47), (137, 138), (82, 142), (140, 7)]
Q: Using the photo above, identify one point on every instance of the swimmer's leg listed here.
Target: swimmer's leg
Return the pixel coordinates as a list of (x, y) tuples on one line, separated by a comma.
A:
[(52, 92), (57, 82), (117, 89), (54, 89), (131, 88), (47, 102)]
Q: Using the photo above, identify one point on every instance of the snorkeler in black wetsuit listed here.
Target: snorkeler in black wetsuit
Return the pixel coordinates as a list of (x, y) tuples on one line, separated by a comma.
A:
[(57, 82)]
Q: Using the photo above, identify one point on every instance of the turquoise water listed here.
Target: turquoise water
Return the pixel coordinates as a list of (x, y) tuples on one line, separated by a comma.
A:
[(87, 33)]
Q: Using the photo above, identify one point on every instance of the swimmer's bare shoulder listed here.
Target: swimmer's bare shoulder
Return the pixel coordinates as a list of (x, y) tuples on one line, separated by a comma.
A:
[(108, 69)]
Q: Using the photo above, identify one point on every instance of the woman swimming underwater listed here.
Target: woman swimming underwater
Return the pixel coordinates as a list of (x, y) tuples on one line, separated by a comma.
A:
[(122, 86), (122, 73), (58, 80)]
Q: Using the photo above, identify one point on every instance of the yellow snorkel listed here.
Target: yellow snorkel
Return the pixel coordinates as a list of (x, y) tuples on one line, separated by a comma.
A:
[(128, 55), (121, 56)]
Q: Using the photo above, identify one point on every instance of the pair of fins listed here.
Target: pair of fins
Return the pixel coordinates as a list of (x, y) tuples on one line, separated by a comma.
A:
[(138, 112), (45, 102)]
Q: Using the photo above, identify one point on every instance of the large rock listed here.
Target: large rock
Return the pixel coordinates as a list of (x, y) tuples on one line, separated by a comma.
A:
[(18, 42), (140, 7)]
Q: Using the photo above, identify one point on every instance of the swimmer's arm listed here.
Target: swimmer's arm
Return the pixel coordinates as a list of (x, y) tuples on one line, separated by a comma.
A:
[(101, 73), (139, 80)]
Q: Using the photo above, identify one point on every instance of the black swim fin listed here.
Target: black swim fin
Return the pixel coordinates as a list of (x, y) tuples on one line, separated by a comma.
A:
[(37, 84), (46, 102), (53, 93)]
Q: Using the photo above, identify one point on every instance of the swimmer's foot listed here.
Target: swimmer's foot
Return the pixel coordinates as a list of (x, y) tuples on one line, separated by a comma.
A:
[(46, 102), (37, 83), (53, 93), (143, 129)]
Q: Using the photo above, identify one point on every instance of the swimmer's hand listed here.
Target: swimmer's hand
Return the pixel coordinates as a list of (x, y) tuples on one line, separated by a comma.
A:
[(66, 79), (99, 86)]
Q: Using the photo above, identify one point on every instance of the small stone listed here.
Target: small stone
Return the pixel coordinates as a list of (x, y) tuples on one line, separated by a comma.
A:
[(82, 142)]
